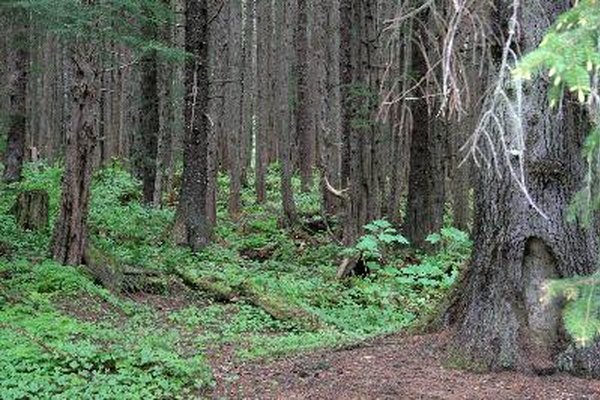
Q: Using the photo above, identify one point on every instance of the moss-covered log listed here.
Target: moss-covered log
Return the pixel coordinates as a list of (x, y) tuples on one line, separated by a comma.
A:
[(278, 308)]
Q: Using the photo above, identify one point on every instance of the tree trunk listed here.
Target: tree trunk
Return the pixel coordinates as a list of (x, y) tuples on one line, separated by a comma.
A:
[(328, 54), (426, 183), (31, 210), (282, 122), (149, 117), (500, 318), (249, 88), (19, 74), (235, 100), (264, 63), (191, 226), (345, 82), (304, 117), (69, 239), (361, 129)]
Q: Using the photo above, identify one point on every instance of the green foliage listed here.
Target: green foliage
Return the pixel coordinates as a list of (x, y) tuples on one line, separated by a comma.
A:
[(101, 346), (380, 239), (102, 21), (47, 352), (569, 52), (581, 314)]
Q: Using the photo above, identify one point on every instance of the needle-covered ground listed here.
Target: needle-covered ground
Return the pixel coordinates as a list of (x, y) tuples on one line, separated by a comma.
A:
[(394, 367)]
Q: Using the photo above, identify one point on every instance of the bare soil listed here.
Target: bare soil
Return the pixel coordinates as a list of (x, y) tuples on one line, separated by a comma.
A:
[(396, 367)]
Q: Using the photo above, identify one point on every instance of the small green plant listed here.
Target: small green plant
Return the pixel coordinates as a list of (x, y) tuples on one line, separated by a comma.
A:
[(439, 270), (377, 243)]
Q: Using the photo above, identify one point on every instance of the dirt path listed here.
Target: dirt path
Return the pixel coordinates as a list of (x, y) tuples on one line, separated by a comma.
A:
[(390, 368)]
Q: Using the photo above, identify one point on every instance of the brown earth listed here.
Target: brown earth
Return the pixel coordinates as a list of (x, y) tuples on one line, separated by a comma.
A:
[(396, 367)]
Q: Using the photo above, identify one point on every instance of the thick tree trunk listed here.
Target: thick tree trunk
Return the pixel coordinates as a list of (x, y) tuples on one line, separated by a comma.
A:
[(501, 319), (191, 226), (17, 96), (361, 129), (426, 183), (69, 239)]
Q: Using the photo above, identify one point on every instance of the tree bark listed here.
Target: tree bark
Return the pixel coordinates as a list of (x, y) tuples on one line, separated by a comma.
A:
[(149, 117), (19, 75), (426, 184), (264, 109), (31, 210), (249, 88), (328, 57), (191, 226), (500, 319), (304, 118), (361, 130), (234, 104), (69, 239), (282, 122)]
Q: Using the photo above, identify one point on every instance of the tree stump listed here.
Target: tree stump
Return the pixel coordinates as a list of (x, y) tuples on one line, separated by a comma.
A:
[(31, 210)]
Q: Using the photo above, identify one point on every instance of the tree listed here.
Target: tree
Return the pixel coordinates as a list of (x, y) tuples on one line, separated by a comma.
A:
[(283, 119), (522, 237), (84, 27), (304, 118), (360, 127), (19, 74), (264, 22), (235, 102), (191, 226), (149, 116), (426, 182), (69, 240)]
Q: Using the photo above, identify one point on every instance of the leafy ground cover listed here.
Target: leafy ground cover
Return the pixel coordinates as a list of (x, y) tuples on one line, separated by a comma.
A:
[(147, 318)]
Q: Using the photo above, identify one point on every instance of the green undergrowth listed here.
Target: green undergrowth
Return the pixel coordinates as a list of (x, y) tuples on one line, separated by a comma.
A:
[(259, 291), (64, 337)]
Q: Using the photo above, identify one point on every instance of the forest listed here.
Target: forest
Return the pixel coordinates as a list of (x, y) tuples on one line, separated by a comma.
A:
[(292, 199)]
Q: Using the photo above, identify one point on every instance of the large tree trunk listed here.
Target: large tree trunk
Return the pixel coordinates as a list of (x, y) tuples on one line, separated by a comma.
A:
[(426, 182), (191, 226), (18, 70), (359, 108), (70, 231), (501, 321)]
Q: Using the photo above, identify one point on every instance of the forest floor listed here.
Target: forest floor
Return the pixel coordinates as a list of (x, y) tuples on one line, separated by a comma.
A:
[(259, 314), (393, 367)]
